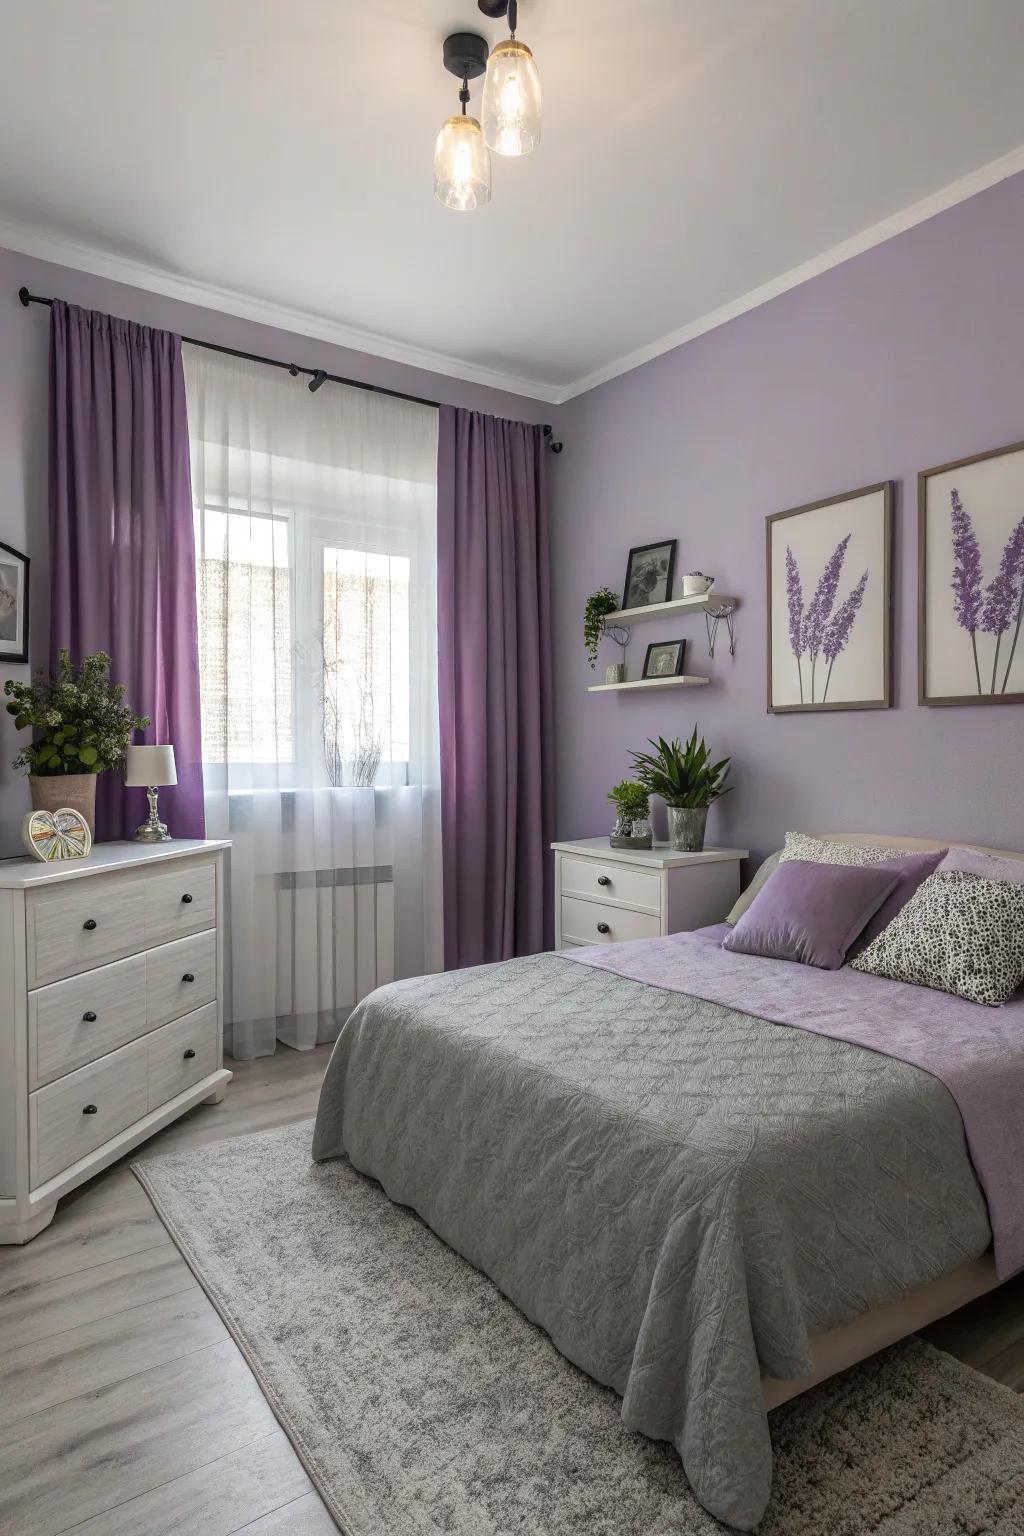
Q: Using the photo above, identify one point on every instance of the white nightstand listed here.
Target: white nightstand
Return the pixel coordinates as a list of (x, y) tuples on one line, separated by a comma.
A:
[(605, 894)]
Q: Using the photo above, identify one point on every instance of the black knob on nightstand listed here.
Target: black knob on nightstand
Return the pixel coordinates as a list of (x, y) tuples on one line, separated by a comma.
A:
[(89, 923), (186, 898), (603, 928), (88, 1017), (90, 1109), (188, 1055), (188, 976), (604, 880)]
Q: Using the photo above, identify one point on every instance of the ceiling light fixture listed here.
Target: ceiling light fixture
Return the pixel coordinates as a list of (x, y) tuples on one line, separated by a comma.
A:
[(511, 100), (462, 161)]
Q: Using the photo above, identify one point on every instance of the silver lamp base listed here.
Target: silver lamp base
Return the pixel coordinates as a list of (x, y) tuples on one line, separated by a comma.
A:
[(153, 830)]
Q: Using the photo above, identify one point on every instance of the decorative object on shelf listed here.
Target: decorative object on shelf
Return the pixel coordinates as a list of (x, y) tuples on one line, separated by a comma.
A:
[(696, 584), (512, 97), (664, 658), (614, 673), (632, 816), (81, 729), (712, 618), (649, 574), (830, 646), (596, 612), (462, 161), (13, 604), (970, 551), (53, 835), (688, 782), (150, 768)]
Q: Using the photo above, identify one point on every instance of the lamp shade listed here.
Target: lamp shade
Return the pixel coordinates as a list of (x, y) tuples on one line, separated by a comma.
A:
[(462, 165), (511, 100), (146, 766)]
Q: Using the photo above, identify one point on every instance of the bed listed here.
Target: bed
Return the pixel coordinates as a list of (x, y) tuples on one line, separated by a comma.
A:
[(704, 1210)]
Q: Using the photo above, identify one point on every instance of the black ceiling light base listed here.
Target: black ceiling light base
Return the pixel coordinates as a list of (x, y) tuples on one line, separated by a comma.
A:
[(494, 8), (465, 55)]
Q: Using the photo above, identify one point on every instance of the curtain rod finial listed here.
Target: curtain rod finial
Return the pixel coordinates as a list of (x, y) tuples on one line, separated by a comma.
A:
[(25, 297)]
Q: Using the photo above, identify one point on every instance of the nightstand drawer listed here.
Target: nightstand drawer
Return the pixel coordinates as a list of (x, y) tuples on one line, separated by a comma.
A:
[(75, 1021), (591, 922), (73, 1116), (593, 880), (180, 977), (181, 901), (181, 1054), (73, 927)]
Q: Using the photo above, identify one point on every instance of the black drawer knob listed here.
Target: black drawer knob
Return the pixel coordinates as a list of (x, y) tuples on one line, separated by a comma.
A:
[(188, 1055), (90, 1109), (89, 923), (604, 880), (186, 898), (603, 928), (88, 1017), (188, 976)]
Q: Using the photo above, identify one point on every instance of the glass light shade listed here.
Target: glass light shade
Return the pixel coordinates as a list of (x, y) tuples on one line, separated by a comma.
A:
[(462, 165), (511, 101)]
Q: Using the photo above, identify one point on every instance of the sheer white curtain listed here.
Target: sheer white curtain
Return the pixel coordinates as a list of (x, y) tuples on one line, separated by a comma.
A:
[(315, 521)]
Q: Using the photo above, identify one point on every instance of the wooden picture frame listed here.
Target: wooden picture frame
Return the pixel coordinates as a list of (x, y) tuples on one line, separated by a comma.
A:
[(664, 645), (14, 604), (834, 626), (632, 599), (976, 561)]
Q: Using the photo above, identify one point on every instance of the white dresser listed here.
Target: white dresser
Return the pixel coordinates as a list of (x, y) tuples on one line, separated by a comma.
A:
[(604, 894), (110, 980)]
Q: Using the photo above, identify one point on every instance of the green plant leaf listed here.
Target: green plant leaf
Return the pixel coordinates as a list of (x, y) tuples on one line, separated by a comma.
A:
[(88, 755)]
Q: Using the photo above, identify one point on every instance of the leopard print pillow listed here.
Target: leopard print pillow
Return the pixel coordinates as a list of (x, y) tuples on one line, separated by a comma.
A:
[(815, 850), (959, 933)]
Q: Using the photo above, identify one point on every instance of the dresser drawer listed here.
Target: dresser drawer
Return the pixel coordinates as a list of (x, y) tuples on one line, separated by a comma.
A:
[(617, 883), (83, 923), (75, 1021), (183, 900), (180, 977), (182, 1053), (583, 921), (72, 1117)]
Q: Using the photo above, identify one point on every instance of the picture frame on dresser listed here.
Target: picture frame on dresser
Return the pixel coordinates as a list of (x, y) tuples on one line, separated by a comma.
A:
[(111, 976)]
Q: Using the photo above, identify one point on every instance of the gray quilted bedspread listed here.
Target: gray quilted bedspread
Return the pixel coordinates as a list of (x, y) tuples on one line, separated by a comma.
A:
[(676, 1192)]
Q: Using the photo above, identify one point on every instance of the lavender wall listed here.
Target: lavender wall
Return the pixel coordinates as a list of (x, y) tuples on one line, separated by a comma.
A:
[(24, 352), (905, 357)]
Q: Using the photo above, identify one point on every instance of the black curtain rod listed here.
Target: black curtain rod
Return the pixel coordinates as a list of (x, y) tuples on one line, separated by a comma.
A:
[(317, 376)]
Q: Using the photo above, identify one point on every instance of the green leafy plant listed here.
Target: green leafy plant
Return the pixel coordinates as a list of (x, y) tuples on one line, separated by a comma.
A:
[(630, 800), (682, 776), (79, 723), (598, 606)]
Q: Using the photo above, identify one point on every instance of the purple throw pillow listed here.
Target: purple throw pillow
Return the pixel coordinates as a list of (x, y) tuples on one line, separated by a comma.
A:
[(911, 870), (990, 866), (811, 913)]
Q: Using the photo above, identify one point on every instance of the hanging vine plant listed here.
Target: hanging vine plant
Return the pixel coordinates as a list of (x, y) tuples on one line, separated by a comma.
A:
[(598, 607)]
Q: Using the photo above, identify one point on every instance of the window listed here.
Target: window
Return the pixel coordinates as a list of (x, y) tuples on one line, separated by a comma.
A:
[(365, 685)]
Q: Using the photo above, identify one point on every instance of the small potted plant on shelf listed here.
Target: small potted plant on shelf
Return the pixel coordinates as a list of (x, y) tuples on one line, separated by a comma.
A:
[(600, 605), (688, 782), (80, 728), (632, 809)]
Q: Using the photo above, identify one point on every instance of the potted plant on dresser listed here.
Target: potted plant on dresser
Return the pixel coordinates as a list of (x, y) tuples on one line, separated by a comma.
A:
[(81, 727), (688, 782)]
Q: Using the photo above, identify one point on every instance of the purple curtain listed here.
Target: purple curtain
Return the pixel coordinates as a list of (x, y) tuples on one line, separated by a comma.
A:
[(494, 688), (122, 550)]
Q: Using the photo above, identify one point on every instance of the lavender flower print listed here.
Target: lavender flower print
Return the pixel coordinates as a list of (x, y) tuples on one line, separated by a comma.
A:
[(838, 632), (819, 610), (795, 600), (1004, 601), (967, 601)]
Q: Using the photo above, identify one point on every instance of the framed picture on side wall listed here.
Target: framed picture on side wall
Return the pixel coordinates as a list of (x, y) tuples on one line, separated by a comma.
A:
[(664, 658), (13, 604), (970, 587), (649, 572), (829, 572)]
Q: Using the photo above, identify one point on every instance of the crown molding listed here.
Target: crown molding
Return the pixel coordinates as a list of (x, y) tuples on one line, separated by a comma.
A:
[(926, 208), (46, 246)]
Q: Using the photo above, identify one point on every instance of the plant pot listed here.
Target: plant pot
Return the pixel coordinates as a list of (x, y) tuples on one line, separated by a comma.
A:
[(686, 827), (634, 835), (615, 672), (53, 790)]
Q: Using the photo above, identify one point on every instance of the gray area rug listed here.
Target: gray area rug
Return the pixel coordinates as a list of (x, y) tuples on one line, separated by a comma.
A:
[(421, 1401)]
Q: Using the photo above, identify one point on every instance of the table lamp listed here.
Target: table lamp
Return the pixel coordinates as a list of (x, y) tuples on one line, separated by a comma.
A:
[(148, 768)]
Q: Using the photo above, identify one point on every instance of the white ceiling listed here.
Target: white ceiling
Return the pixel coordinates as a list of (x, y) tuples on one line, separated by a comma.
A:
[(693, 151)]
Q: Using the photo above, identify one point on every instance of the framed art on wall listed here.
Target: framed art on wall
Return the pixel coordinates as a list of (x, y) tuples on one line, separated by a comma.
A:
[(829, 577), (664, 658), (13, 604), (649, 574), (970, 587)]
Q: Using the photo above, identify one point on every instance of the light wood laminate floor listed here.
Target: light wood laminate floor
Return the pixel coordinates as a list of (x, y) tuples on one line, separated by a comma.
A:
[(125, 1407)]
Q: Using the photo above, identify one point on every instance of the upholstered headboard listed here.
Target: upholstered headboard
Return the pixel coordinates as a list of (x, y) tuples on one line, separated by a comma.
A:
[(911, 844)]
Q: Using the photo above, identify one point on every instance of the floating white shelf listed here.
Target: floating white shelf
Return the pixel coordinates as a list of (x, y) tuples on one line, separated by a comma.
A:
[(651, 682), (708, 601)]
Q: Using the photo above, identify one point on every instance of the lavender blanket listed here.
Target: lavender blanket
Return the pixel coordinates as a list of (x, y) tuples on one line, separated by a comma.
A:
[(976, 1052)]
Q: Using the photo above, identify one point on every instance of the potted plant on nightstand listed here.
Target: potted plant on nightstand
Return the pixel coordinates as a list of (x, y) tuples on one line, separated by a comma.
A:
[(688, 782), (80, 728), (632, 809)]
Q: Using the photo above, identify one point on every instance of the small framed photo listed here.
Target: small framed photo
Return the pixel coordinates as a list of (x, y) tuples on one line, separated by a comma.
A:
[(664, 658), (649, 574), (13, 604)]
